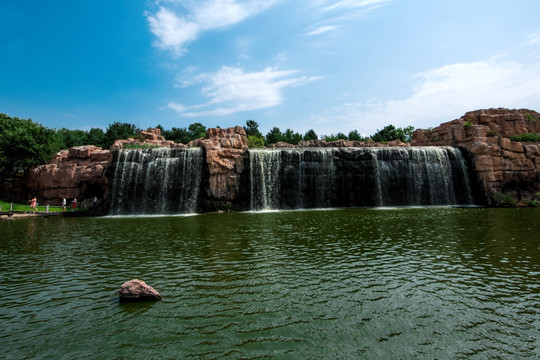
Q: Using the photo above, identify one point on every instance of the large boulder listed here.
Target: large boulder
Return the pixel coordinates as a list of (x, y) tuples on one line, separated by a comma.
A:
[(137, 290)]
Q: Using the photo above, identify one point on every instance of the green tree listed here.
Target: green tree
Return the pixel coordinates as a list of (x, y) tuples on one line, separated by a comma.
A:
[(197, 130), (330, 138), (252, 128), (69, 138), (310, 135), (274, 136), (291, 137), (96, 137), (23, 144), (355, 136), (391, 133), (118, 131), (178, 135)]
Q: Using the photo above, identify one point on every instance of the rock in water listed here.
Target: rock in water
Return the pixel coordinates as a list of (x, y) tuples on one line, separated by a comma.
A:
[(137, 290)]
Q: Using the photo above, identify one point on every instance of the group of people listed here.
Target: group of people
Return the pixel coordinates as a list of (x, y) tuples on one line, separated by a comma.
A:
[(34, 204), (73, 204)]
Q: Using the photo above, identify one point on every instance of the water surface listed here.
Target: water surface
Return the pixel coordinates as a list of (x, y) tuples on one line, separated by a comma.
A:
[(406, 283)]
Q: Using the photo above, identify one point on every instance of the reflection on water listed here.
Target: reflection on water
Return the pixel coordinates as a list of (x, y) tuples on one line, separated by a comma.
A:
[(428, 283)]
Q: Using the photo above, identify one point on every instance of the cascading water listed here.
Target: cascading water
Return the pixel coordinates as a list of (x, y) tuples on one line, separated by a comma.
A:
[(156, 181), (291, 179), (342, 177)]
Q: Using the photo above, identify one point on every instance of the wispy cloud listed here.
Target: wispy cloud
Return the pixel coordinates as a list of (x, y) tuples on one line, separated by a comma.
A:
[(354, 4), (322, 29), (175, 29), (341, 11), (441, 95), (232, 90), (533, 39)]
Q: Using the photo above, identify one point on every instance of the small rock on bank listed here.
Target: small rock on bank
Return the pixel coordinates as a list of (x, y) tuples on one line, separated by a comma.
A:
[(137, 290)]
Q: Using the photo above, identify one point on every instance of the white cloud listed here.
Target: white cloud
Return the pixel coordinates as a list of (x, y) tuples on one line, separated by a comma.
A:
[(441, 95), (174, 31), (355, 4), (232, 90), (533, 39), (322, 30)]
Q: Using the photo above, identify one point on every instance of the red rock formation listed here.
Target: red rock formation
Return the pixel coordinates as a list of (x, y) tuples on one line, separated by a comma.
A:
[(225, 152), (152, 138), (503, 166), (75, 173)]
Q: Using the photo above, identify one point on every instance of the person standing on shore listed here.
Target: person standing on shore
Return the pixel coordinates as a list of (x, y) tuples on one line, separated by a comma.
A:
[(33, 205), (74, 204), (63, 204)]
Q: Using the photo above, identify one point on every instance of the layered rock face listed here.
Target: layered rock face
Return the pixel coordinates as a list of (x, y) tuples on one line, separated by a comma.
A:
[(502, 166), (225, 151), (152, 138), (75, 173)]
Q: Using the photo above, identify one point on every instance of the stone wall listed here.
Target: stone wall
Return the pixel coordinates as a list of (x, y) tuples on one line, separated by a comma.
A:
[(502, 166)]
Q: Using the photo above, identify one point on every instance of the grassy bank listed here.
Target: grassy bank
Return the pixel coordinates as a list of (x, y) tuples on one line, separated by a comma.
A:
[(26, 207)]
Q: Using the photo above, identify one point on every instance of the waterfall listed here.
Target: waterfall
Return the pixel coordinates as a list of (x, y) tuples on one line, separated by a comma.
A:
[(156, 181), (344, 177), (291, 178)]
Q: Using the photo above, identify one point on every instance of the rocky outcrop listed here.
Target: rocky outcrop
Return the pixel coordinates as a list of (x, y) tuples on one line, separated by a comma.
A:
[(225, 151), (502, 166), (137, 290), (78, 172), (149, 138)]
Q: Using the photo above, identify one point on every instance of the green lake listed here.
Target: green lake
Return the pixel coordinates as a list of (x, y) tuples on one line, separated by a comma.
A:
[(382, 283)]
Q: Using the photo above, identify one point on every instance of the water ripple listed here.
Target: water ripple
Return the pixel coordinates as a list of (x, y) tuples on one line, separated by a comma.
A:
[(396, 283)]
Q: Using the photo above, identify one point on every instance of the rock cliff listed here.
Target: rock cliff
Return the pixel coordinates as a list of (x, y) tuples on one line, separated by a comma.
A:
[(503, 166), (225, 151), (75, 173)]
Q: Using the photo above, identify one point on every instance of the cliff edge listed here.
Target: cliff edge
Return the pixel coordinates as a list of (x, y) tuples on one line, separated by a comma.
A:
[(505, 169)]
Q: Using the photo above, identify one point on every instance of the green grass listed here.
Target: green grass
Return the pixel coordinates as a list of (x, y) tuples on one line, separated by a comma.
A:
[(26, 207)]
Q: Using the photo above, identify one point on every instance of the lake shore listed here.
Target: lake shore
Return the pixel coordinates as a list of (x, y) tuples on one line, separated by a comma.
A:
[(24, 214)]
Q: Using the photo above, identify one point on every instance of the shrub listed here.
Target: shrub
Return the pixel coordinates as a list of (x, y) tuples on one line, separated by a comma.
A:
[(528, 137), (255, 141), (531, 118), (505, 200), (468, 123)]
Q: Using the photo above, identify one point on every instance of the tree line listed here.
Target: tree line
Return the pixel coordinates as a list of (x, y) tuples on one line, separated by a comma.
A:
[(387, 134), (25, 143)]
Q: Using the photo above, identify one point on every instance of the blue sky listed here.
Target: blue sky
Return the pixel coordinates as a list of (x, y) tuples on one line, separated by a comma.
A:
[(333, 66)]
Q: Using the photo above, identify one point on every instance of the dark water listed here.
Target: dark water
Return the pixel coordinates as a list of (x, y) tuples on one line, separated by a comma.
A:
[(430, 283)]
